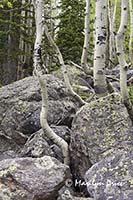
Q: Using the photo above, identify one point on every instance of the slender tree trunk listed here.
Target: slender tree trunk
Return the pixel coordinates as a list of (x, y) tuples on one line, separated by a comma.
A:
[(107, 64), (121, 57), (21, 45), (63, 67), (131, 32), (100, 84), (29, 32), (84, 64), (38, 5), (56, 11), (9, 63), (114, 28), (113, 20), (112, 15)]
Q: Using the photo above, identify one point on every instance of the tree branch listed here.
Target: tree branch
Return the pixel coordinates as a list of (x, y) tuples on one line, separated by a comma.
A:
[(63, 67)]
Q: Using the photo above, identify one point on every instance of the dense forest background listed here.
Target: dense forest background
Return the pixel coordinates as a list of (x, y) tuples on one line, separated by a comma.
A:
[(65, 20)]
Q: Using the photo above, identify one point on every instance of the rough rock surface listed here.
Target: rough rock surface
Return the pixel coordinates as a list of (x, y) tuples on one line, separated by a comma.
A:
[(36, 146), (32, 178), (111, 178), (8, 148), (68, 194), (82, 83), (39, 145), (98, 129), (20, 105)]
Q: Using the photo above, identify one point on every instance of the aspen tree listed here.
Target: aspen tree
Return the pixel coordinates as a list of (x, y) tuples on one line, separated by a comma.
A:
[(112, 16), (121, 57), (131, 32), (100, 84), (38, 6), (9, 43), (21, 45), (84, 64)]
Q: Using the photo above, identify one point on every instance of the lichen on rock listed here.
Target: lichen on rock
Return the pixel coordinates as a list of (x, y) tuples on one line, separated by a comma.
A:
[(99, 129)]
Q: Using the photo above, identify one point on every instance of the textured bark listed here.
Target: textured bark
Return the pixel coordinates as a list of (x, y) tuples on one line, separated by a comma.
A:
[(21, 45), (9, 42), (29, 32), (63, 67), (38, 5), (100, 48), (131, 32), (112, 15), (121, 57), (86, 38)]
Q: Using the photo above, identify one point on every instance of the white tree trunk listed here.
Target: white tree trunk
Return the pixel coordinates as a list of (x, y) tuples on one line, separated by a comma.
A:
[(131, 32), (20, 74), (100, 48), (121, 57), (29, 32), (9, 66), (55, 12), (63, 67), (112, 15), (38, 5), (84, 64)]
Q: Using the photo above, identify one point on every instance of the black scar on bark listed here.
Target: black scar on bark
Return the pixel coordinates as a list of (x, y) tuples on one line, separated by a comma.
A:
[(118, 54), (101, 38), (39, 52), (126, 68), (100, 72), (98, 57)]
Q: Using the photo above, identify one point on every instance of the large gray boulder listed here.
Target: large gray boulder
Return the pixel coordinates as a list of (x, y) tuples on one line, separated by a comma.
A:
[(36, 146), (68, 194), (111, 178), (20, 105), (99, 129), (39, 144), (32, 178), (8, 148)]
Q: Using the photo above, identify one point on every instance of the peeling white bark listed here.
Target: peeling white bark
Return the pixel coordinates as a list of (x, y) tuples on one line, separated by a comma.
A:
[(121, 57), (84, 64), (100, 84), (38, 5)]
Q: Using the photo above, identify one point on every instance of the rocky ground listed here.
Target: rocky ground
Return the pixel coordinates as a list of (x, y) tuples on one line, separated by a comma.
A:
[(99, 135)]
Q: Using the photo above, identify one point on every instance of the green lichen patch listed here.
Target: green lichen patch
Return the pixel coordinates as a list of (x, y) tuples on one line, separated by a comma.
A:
[(9, 170), (99, 129)]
